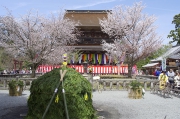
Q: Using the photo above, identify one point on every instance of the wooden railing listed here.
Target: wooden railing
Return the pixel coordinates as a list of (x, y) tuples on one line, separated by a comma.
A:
[(18, 75), (98, 84), (146, 77), (4, 82), (121, 83), (5, 78)]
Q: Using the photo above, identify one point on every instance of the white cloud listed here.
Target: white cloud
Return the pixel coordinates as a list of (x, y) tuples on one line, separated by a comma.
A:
[(92, 4)]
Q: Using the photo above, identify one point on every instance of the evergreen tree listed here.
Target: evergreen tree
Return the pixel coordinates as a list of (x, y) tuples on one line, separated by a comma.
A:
[(175, 34)]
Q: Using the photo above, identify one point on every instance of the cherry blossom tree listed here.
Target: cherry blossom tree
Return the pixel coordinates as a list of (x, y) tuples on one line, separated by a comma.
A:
[(133, 32), (35, 38)]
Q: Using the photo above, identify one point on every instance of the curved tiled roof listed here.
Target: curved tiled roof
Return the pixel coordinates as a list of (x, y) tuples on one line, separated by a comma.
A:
[(175, 56), (86, 17), (170, 53), (150, 65)]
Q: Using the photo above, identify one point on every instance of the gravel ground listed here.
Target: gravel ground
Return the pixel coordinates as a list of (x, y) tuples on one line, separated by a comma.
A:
[(151, 107), (12, 106), (110, 104)]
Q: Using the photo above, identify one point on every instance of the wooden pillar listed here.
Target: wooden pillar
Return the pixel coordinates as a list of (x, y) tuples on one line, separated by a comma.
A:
[(117, 84), (104, 85), (152, 85), (5, 83), (145, 85), (20, 65), (14, 65), (124, 84), (24, 82), (111, 85)]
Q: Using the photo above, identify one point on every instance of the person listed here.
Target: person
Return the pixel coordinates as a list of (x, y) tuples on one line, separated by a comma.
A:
[(171, 75), (163, 80), (177, 80), (147, 72), (154, 73), (158, 72)]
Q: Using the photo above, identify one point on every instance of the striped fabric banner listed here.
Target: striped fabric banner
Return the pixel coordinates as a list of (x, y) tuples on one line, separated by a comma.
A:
[(97, 69), (94, 58)]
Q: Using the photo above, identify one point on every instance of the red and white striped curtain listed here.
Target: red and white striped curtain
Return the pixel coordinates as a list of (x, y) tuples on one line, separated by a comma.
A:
[(97, 69)]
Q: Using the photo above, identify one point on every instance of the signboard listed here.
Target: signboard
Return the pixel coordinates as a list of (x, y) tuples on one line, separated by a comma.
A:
[(163, 64)]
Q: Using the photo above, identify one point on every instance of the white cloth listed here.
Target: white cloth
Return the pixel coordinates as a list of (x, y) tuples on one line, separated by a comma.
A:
[(96, 77), (176, 78), (80, 58), (104, 59), (170, 74)]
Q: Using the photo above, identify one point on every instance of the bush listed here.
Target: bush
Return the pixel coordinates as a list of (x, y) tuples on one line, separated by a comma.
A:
[(14, 83), (135, 84), (15, 87), (76, 87)]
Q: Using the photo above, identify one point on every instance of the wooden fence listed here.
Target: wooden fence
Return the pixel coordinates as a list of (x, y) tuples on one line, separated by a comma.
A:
[(120, 84), (103, 84)]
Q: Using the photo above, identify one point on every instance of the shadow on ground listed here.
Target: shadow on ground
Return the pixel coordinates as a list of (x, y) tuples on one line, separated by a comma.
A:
[(103, 112), (16, 113), (106, 112)]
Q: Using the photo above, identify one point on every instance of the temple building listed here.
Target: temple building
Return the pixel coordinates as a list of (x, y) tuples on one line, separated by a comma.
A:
[(169, 60), (90, 44), (91, 35)]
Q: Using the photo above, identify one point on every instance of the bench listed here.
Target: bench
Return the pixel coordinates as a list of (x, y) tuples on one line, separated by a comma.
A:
[(166, 92), (176, 89)]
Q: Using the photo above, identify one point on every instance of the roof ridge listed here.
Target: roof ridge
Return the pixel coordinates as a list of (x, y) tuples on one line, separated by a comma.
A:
[(168, 53)]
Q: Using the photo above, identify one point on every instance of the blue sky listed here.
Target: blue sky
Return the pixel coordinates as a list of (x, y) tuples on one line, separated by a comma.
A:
[(164, 10)]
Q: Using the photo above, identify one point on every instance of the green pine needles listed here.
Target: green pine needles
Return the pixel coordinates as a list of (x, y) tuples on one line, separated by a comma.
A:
[(14, 83), (78, 93), (135, 85)]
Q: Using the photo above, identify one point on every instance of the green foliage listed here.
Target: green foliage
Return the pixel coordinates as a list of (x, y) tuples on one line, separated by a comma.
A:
[(175, 34), (5, 59), (75, 85), (14, 83), (135, 84), (153, 55)]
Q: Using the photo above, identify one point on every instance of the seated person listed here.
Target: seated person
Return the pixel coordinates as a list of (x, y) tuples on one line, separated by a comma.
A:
[(177, 80), (163, 80), (171, 75)]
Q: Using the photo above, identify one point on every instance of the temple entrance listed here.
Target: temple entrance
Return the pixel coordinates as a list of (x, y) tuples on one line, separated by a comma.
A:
[(17, 65)]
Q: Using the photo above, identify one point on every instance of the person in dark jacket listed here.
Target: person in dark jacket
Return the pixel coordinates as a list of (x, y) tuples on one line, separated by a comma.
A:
[(158, 72)]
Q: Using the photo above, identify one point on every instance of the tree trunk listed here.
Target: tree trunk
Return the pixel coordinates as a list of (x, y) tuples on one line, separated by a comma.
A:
[(33, 68), (33, 72), (119, 69), (129, 71), (129, 66)]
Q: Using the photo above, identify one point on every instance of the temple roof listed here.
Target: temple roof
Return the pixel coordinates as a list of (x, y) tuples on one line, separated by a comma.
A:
[(86, 17), (171, 53), (150, 65), (175, 56), (87, 11)]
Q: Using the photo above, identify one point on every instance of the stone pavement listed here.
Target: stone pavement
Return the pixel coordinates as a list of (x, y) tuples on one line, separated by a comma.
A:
[(15, 107), (109, 105)]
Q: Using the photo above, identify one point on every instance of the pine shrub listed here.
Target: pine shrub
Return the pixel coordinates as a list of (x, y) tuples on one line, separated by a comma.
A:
[(78, 93)]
